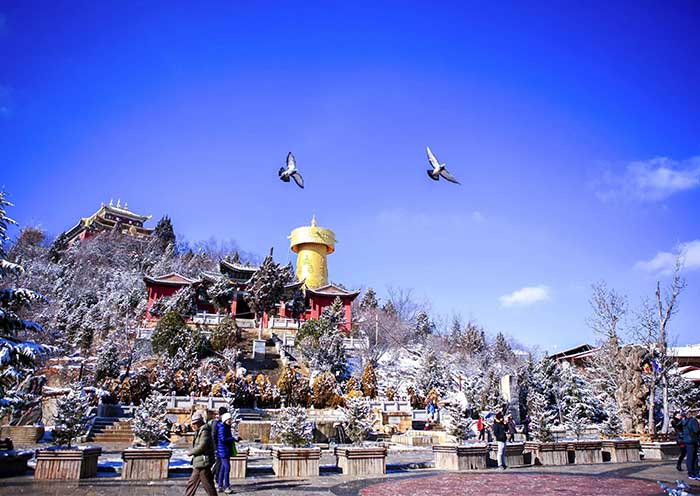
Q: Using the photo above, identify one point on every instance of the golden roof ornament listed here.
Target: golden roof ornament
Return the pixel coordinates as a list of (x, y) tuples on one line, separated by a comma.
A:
[(110, 202), (119, 203)]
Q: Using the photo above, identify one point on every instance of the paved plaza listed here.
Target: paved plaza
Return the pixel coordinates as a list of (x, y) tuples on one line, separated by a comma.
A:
[(634, 479)]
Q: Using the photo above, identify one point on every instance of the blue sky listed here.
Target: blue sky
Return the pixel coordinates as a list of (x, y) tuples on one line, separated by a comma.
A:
[(574, 132)]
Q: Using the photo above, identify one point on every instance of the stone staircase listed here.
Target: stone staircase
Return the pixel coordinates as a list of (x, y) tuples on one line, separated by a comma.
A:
[(111, 430)]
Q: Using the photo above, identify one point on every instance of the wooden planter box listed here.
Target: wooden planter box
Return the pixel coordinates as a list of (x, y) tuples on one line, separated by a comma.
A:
[(660, 451), (514, 454), (546, 453), (23, 435), (622, 450), (587, 452), (239, 464), (460, 457), (65, 464), (296, 462), (145, 463), (361, 461)]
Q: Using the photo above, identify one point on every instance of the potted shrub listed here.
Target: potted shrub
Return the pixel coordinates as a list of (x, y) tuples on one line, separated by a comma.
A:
[(358, 459), (460, 456), (150, 426), (64, 461), (297, 458)]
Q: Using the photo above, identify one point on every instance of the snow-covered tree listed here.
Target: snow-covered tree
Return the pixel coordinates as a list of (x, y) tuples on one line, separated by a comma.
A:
[(150, 422), (292, 427), (225, 335), (357, 422), (321, 346), (612, 425), (171, 334), (423, 327), (19, 390), (433, 373), (458, 421), (369, 300), (502, 350), (541, 416), (71, 419), (107, 363), (267, 288)]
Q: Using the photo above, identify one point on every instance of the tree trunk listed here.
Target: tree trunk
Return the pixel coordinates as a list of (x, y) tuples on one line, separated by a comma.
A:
[(651, 426), (664, 390)]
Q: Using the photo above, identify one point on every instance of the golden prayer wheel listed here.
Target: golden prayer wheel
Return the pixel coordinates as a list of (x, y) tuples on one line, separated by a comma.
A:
[(312, 244)]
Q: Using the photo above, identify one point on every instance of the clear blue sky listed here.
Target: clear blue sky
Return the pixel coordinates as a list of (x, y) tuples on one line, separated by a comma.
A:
[(574, 131)]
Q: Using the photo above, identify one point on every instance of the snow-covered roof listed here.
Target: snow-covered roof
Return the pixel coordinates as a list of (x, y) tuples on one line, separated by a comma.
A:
[(332, 290), (171, 279), (688, 351)]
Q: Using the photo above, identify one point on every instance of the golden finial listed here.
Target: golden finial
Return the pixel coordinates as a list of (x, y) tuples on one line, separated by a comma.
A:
[(126, 206), (313, 221), (102, 204), (111, 202), (119, 203)]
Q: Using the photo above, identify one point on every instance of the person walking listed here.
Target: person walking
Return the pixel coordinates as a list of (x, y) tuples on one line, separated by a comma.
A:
[(511, 428), (480, 428), (202, 454), (226, 448), (677, 424), (691, 431), (526, 427), (214, 424), (499, 431)]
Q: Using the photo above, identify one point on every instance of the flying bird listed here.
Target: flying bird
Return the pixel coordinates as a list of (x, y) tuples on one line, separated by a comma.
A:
[(438, 169), (291, 171)]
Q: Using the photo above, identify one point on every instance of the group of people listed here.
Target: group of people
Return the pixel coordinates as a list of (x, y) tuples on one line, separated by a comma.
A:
[(213, 446), (687, 434), (485, 430)]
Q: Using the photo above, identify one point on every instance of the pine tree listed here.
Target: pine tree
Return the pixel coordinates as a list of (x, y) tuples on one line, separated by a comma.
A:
[(541, 416), (107, 363), (474, 341), (369, 301), (170, 334), (502, 351), (424, 327), (150, 422), (325, 352), (458, 422), (71, 419), (369, 381), (267, 288), (225, 335), (612, 425), (335, 312), (292, 428), (433, 373), (17, 357), (358, 420), (164, 234)]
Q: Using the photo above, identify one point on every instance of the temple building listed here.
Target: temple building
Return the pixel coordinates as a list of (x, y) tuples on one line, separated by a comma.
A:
[(109, 218), (312, 244)]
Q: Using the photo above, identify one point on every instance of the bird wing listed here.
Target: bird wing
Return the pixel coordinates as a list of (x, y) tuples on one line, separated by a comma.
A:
[(447, 176), (281, 172), (291, 162), (432, 175), (298, 179), (432, 159)]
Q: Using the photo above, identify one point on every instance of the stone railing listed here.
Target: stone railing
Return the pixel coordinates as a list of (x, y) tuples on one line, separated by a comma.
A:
[(208, 318)]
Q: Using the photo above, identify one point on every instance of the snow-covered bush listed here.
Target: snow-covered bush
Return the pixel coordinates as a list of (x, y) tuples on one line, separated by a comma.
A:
[(292, 427), (150, 422), (357, 421), (71, 419), (107, 363)]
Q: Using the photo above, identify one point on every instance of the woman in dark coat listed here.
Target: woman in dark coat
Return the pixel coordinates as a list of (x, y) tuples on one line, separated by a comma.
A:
[(224, 450)]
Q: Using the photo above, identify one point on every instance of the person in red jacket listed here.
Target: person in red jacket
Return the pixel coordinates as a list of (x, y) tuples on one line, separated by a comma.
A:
[(480, 428)]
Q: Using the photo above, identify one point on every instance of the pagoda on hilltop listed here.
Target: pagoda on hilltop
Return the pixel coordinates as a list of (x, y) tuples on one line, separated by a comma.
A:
[(110, 218)]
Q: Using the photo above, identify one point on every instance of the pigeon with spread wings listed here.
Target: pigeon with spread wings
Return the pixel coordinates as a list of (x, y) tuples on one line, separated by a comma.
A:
[(291, 171), (438, 169)]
